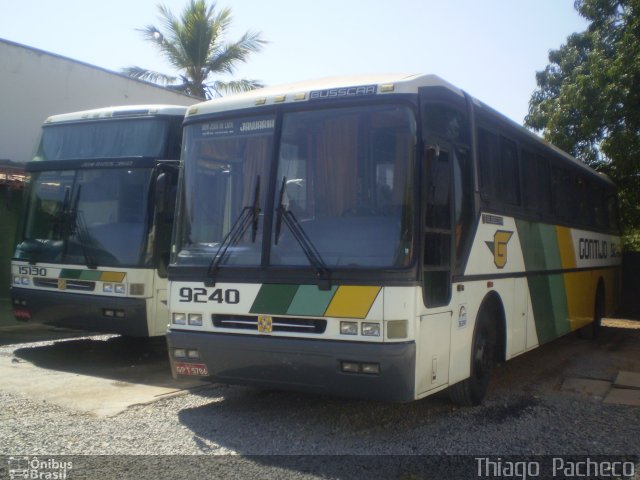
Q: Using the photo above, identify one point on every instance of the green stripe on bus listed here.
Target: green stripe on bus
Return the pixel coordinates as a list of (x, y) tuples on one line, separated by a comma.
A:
[(541, 252), (92, 275), (273, 299), (310, 301), (70, 273)]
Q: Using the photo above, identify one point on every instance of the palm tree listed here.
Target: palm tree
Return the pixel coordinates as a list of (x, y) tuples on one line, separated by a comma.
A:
[(193, 44)]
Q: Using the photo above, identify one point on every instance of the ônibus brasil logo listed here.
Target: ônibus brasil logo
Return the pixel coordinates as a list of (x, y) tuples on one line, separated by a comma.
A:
[(37, 468)]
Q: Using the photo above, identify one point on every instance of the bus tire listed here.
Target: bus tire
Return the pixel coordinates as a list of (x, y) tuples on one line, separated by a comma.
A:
[(592, 331), (471, 391)]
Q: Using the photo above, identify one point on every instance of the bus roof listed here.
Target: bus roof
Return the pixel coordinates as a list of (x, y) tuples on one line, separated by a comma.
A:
[(120, 112), (332, 87)]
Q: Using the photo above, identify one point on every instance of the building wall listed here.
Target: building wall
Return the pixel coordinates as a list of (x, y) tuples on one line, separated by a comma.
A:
[(35, 84)]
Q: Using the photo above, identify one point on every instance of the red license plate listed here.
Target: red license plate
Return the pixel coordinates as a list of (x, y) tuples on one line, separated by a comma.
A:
[(194, 369)]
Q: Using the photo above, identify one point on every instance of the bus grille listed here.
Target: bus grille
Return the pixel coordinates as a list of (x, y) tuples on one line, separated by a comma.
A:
[(280, 324), (70, 284)]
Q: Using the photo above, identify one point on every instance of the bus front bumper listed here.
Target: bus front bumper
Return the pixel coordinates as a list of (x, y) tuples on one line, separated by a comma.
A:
[(96, 313), (308, 365)]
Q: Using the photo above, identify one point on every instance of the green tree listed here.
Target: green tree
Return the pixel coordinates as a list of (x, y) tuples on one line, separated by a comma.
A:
[(588, 99), (193, 44)]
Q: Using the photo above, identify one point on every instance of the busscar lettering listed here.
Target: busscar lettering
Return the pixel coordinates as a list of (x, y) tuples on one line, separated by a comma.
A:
[(344, 92)]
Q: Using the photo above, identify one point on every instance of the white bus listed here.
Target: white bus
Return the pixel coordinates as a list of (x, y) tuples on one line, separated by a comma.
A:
[(93, 247), (382, 237)]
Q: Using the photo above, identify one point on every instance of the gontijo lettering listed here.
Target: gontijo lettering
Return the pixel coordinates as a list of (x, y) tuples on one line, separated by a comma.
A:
[(590, 249), (344, 92)]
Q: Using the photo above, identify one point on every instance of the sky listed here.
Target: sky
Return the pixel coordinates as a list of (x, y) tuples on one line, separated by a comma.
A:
[(490, 48)]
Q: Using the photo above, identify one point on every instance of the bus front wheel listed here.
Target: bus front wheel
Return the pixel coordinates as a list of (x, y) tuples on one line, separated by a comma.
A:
[(471, 391)]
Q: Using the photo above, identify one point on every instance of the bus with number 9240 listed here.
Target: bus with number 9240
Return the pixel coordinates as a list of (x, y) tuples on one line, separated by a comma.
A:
[(382, 237)]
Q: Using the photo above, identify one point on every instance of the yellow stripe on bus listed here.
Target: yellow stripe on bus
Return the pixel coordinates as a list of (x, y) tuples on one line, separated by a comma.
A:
[(565, 245), (352, 301), (112, 276)]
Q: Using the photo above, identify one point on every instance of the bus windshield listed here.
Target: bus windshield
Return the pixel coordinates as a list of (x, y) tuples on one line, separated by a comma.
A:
[(342, 195), (128, 138), (88, 217)]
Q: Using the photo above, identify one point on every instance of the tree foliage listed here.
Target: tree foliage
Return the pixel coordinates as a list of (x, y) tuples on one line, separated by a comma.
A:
[(588, 97), (194, 44)]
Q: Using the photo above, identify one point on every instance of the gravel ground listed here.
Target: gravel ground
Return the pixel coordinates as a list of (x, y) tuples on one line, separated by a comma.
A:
[(525, 413)]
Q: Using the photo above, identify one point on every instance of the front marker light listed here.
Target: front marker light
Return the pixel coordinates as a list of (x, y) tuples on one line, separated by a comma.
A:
[(370, 329), (195, 319), (397, 329), (107, 287), (193, 354), (371, 368), (349, 328), (179, 318), (350, 367)]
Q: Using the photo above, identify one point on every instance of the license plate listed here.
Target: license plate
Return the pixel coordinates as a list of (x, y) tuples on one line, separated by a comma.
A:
[(195, 369)]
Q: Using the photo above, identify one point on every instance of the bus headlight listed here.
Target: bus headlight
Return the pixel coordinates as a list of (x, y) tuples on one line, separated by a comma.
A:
[(119, 288), (179, 318), (370, 329), (349, 328), (107, 287), (195, 319)]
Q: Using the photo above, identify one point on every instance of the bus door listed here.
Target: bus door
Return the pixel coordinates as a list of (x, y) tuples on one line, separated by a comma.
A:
[(438, 231), (448, 191), (164, 201)]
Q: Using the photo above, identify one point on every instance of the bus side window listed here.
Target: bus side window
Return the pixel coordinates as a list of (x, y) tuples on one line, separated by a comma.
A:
[(499, 172), (537, 188), (562, 201), (612, 211)]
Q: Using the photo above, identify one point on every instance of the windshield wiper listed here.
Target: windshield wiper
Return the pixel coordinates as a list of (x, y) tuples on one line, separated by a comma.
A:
[(79, 226), (249, 215), (308, 248)]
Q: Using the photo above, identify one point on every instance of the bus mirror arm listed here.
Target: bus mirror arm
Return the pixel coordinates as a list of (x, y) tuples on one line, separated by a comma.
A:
[(432, 152)]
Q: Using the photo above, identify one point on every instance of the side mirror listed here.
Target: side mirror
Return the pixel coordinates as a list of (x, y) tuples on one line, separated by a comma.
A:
[(162, 184)]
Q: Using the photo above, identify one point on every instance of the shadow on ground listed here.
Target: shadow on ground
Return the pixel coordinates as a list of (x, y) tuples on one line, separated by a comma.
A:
[(124, 359)]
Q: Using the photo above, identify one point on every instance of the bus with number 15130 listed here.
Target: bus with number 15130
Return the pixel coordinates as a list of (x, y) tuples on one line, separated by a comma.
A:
[(93, 247)]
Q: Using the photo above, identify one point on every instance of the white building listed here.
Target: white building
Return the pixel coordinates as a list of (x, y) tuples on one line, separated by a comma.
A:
[(35, 84)]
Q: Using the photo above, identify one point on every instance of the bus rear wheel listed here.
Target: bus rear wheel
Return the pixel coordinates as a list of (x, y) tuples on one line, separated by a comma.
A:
[(592, 330), (471, 391)]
